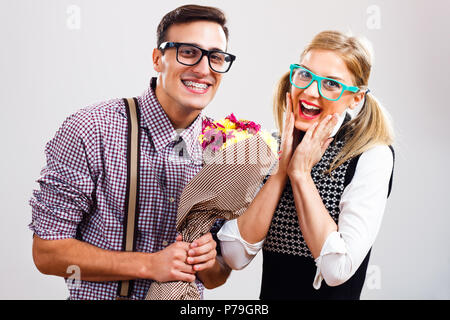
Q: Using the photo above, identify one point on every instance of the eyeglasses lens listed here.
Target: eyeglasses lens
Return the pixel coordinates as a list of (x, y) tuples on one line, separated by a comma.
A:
[(190, 55), (329, 88)]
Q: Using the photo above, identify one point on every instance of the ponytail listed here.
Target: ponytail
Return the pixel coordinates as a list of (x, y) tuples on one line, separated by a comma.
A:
[(279, 101), (372, 126)]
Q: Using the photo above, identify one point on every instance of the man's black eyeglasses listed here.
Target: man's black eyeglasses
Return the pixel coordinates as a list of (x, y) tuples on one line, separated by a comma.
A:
[(190, 54)]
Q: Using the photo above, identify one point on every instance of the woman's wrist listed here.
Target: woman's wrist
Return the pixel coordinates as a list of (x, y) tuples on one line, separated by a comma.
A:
[(280, 175), (299, 175)]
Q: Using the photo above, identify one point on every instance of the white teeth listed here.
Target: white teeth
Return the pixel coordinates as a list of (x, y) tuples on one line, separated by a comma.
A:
[(307, 106), (195, 84)]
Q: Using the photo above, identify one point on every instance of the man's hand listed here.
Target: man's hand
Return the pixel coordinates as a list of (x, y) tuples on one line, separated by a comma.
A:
[(170, 264), (202, 256)]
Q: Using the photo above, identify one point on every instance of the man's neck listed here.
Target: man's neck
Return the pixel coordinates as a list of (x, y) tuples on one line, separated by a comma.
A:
[(178, 116)]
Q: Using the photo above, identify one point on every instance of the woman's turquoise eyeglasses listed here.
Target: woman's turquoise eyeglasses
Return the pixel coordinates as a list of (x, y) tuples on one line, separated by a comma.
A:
[(330, 89)]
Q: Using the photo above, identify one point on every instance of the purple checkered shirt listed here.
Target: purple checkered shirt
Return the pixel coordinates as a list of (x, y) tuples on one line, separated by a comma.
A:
[(83, 186)]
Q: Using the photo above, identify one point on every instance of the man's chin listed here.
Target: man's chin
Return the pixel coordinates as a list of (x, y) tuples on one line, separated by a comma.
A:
[(196, 104)]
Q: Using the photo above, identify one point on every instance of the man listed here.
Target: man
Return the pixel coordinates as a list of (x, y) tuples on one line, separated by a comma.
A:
[(78, 213)]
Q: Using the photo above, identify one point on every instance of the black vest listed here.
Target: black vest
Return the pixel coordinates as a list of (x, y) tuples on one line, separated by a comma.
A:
[(288, 266)]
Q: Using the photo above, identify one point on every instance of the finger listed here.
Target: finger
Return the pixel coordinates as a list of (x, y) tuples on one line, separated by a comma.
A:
[(179, 238), (326, 144), (202, 258), (331, 124), (204, 249), (178, 250), (204, 266), (288, 102), (288, 135), (204, 239), (324, 123), (185, 268), (182, 276), (287, 130), (181, 245), (324, 129), (333, 121), (310, 132), (288, 108), (289, 121)]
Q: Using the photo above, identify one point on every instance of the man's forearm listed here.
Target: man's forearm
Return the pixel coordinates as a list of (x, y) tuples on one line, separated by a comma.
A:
[(53, 257)]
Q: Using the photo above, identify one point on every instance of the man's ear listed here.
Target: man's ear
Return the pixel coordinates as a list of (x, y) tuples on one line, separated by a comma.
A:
[(357, 98), (157, 60)]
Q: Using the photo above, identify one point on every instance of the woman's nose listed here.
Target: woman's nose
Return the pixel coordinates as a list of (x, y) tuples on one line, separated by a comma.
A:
[(312, 90)]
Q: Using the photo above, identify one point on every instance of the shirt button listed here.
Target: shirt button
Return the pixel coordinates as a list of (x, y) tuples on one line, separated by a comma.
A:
[(165, 243), (171, 199)]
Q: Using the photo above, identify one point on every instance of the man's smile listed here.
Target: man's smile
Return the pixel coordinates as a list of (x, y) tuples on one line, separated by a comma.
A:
[(196, 86)]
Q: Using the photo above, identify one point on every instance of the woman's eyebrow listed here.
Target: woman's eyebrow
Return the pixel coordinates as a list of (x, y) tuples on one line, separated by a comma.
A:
[(331, 77)]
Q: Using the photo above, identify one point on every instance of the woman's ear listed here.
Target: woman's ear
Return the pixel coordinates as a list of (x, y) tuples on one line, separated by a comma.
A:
[(157, 60), (357, 98)]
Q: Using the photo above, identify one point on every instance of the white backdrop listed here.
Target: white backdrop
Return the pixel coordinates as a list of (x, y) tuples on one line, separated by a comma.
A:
[(58, 56)]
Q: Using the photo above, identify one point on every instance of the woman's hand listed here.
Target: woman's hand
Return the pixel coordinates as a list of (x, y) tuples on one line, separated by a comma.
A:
[(309, 152), (289, 138)]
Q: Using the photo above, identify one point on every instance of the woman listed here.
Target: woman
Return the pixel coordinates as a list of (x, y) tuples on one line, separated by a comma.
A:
[(317, 216)]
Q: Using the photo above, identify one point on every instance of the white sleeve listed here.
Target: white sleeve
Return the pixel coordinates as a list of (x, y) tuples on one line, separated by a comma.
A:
[(361, 211), (236, 252)]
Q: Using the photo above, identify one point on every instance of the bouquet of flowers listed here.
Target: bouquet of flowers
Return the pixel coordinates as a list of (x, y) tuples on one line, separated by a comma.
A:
[(237, 155)]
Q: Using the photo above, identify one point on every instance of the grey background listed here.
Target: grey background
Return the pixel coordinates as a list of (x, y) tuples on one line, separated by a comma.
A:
[(52, 64)]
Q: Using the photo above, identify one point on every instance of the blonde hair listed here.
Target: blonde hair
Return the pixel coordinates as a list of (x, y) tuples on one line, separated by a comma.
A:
[(372, 124)]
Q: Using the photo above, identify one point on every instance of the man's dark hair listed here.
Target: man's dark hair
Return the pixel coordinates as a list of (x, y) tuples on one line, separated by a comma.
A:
[(190, 13)]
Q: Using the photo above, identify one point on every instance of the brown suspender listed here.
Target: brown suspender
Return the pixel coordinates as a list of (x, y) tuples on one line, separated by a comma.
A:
[(132, 191)]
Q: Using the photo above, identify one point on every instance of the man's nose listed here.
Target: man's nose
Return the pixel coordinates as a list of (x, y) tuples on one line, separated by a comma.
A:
[(202, 67), (312, 90)]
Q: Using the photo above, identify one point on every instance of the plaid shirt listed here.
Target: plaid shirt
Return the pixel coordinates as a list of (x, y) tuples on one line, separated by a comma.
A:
[(83, 186)]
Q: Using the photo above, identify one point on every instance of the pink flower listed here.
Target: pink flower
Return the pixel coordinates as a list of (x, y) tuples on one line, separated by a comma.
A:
[(207, 123), (215, 137), (232, 118)]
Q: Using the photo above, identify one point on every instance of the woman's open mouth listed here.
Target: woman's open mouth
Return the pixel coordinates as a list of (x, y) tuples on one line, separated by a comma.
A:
[(308, 110), (195, 86)]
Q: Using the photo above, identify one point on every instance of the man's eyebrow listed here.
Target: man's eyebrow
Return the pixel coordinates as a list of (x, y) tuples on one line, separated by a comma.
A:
[(198, 45), (331, 77)]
